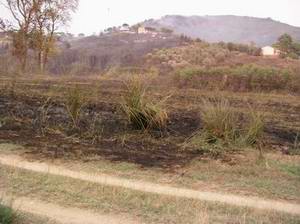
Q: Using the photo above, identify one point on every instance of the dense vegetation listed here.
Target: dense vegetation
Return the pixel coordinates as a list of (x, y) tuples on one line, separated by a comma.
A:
[(248, 77)]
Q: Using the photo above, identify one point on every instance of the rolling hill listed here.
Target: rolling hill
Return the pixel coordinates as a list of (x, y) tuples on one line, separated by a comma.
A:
[(238, 29)]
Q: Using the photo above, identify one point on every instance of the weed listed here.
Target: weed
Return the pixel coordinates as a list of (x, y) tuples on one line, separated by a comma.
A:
[(95, 129), (142, 113), (254, 129), (74, 104), (7, 215), (42, 118), (295, 149)]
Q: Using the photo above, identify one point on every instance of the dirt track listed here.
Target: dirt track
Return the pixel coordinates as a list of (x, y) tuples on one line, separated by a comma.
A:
[(252, 202), (65, 215)]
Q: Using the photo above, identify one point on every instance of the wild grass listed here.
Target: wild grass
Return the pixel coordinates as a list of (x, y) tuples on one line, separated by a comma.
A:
[(41, 121), (74, 103), (142, 113), (7, 214), (224, 128), (295, 149)]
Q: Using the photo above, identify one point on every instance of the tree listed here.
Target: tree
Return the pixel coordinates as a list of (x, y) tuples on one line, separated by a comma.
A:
[(297, 48), (284, 44), (2, 24), (22, 12), (166, 30), (49, 15), (288, 47), (35, 23)]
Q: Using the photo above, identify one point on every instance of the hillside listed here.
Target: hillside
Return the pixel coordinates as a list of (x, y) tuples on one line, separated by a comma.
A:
[(236, 29), (97, 53)]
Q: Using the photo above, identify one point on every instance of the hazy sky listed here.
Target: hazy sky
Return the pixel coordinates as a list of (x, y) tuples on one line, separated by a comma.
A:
[(96, 15)]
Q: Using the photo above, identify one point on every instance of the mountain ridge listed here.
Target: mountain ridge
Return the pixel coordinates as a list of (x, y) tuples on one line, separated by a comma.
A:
[(227, 28)]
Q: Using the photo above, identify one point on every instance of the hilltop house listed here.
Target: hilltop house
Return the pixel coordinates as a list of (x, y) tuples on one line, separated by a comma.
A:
[(147, 30), (270, 51), (125, 28), (142, 30)]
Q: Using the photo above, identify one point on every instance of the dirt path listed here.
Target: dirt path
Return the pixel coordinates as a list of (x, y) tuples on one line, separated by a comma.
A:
[(252, 202), (64, 215)]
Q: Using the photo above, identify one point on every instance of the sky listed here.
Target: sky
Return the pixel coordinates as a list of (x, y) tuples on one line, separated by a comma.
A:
[(94, 16)]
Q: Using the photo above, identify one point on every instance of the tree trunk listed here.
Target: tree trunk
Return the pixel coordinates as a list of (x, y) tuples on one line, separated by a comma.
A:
[(41, 61)]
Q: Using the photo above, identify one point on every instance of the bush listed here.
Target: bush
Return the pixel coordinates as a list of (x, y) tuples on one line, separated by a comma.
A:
[(226, 129), (7, 215), (141, 113)]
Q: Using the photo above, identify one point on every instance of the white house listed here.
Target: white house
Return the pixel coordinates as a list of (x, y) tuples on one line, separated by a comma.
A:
[(142, 30), (270, 51), (125, 28)]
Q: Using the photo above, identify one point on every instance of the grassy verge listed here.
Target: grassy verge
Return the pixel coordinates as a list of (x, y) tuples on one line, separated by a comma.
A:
[(9, 215), (275, 176), (148, 208)]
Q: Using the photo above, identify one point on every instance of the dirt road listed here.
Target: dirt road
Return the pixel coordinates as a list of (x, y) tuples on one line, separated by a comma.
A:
[(63, 215), (236, 200)]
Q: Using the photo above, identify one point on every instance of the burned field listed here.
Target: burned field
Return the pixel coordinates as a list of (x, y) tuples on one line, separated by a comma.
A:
[(43, 124), (34, 114)]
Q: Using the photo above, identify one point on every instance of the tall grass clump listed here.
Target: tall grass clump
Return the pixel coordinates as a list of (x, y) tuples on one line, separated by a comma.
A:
[(7, 215), (74, 103), (226, 129), (142, 114)]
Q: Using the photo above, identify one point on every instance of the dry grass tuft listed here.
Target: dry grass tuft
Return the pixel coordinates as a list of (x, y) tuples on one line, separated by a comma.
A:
[(224, 128), (142, 113), (74, 103)]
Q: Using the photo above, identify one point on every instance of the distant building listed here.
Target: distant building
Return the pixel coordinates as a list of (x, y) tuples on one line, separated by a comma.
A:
[(125, 28), (142, 30), (147, 30), (270, 51)]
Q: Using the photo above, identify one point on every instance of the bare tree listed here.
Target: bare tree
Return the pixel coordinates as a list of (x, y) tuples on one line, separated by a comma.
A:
[(2, 24)]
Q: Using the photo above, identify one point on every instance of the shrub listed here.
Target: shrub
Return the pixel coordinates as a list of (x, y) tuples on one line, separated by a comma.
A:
[(141, 113), (74, 104), (226, 129), (7, 215)]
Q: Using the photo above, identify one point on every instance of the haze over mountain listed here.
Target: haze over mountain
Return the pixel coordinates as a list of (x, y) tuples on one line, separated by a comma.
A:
[(228, 28)]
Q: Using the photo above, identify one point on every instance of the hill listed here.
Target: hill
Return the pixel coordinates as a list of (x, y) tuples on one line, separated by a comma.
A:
[(97, 53), (237, 29)]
